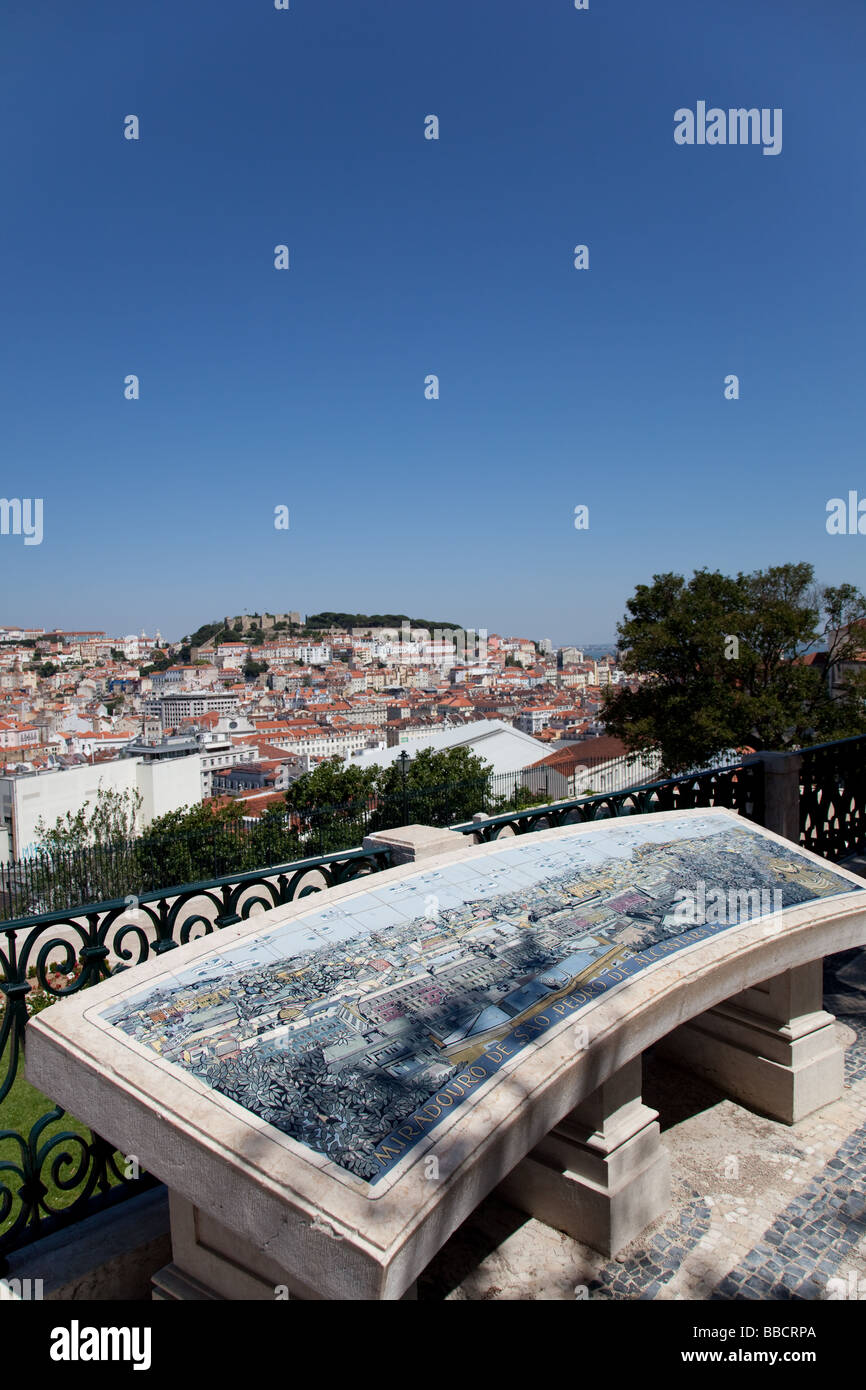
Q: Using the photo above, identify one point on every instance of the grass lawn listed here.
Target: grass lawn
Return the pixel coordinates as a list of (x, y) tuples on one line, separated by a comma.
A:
[(23, 1106)]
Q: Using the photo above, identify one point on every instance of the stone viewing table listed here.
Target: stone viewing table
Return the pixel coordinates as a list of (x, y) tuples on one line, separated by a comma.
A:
[(331, 1087)]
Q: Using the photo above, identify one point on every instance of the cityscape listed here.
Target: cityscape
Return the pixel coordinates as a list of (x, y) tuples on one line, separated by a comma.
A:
[(258, 701), (532, 333)]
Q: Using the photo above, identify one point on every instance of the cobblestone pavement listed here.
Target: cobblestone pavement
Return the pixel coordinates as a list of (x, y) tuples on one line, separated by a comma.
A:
[(760, 1210)]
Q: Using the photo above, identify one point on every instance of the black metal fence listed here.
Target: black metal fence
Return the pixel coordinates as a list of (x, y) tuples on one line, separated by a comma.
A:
[(740, 787), (833, 797), (53, 880)]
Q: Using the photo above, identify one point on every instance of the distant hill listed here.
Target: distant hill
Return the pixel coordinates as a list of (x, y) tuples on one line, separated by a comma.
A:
[(350, 620), (258, 626)]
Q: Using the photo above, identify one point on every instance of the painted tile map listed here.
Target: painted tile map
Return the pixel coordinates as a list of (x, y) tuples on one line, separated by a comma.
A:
[(357, 1028)]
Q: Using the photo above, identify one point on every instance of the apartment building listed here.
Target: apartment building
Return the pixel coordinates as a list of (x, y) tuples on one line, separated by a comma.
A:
[(17, 737), (26, 798), (177, 677), (535, 718), (172, 708), (216, 753)]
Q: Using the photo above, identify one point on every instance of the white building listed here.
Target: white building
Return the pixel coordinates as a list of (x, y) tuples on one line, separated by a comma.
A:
[(180, 705), (535, 718), (30, 797), (315, 654), (507, 749), (218, 755), (322, 742)]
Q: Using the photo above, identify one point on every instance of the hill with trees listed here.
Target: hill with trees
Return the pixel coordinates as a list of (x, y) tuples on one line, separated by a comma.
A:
[(349, 620)]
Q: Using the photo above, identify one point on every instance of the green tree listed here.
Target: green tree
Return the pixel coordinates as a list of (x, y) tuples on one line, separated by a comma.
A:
[(194, 844), (109, 819), (349, 620), (337, 803), (161, 662), (89, 853), (275, 838), (332, 783), (721, 664), (442, 787)]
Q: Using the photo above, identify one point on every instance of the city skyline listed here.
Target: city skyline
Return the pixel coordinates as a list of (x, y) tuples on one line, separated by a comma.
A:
[(173, 641)]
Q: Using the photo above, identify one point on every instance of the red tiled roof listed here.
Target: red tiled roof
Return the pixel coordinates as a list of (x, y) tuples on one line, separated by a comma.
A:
[(589, 750)]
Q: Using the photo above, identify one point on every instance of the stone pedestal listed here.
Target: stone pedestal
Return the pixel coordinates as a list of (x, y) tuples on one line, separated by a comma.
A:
[(773, 1047), (602, 1174), (410, 843), (211, 1262)]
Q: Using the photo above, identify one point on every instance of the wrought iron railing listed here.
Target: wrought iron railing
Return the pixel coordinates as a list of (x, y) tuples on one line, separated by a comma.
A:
[(833, 797), (50, 879), (739, 786), (86, 944)]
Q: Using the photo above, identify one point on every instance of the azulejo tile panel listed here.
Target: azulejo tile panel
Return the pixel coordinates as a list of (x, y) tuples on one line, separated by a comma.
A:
[(356, 1028)]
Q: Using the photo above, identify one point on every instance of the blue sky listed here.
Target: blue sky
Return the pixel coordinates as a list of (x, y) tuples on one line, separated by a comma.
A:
[(305, 388)]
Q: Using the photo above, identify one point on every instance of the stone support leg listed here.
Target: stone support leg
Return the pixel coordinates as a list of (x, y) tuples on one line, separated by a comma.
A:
[(773, 1047), (212, 1263), (602, 1174)]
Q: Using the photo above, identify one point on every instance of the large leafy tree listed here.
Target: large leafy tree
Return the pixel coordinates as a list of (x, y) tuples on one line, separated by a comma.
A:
[(723, 664), (436, 787), (330, 805), (331, 783), (431, 787)]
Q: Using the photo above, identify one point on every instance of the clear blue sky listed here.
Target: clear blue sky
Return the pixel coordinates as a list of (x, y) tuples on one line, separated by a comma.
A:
[(306, 388)]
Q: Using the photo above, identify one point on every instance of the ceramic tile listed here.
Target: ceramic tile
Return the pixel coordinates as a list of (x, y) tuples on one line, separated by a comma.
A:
[(341, 1027)]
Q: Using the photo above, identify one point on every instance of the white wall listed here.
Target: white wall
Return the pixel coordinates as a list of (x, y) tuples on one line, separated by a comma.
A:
[(168, 785), (164, 786), (506, 748)]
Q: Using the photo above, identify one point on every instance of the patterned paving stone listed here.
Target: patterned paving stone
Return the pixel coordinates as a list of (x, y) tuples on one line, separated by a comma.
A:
[(834, 1214), (793, 1219)]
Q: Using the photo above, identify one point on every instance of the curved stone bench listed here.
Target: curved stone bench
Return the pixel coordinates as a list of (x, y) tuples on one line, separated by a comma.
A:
[(555, 1117)]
